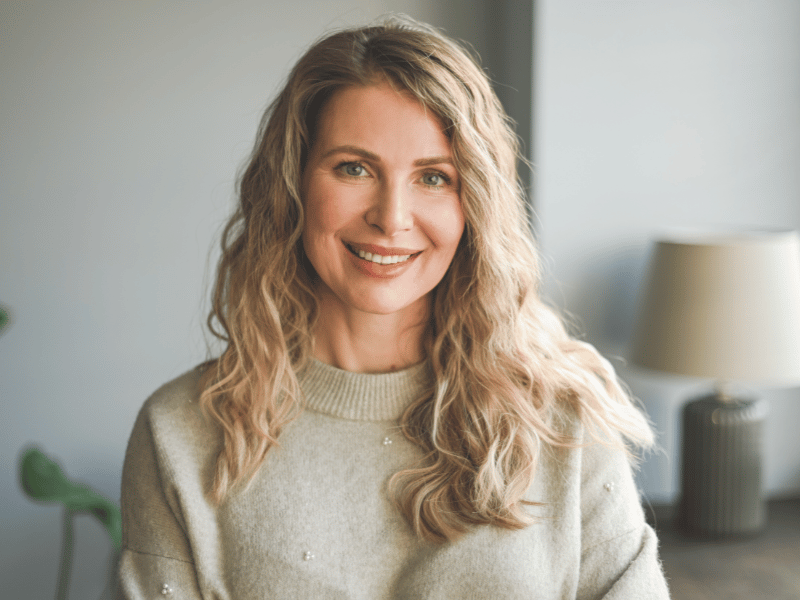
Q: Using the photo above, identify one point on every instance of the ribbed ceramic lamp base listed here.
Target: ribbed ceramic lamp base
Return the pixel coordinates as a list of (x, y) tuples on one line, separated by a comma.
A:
[(721, 468)]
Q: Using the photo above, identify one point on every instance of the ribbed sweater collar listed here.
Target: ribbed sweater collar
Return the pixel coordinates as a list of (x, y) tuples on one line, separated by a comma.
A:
[(362, 396)]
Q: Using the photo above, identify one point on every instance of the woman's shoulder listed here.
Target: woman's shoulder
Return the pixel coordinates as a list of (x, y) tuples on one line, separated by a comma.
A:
[(593, 461), (177, 393), (597, 452), (171, 416)]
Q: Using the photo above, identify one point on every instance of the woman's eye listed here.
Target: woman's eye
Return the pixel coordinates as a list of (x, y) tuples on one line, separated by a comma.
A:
[(353, 169), (434, 179)]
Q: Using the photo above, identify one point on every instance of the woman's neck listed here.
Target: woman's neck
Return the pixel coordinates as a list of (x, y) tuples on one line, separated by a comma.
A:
[(362, 342)]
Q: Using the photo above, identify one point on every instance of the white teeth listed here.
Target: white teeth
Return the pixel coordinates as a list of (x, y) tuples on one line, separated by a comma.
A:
[(383, 260)]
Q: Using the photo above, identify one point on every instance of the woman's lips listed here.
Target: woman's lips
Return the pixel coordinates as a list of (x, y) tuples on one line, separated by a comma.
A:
[(363, 257), (381, 250)]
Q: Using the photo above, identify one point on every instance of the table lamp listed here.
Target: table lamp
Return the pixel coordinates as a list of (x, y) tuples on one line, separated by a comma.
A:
[(724, 306)]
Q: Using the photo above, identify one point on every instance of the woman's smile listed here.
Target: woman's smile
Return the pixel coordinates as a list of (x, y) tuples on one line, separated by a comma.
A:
[(382, 263), (379, 254)]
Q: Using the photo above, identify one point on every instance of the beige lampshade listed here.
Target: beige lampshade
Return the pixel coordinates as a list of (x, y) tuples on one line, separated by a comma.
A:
[(725, 306)]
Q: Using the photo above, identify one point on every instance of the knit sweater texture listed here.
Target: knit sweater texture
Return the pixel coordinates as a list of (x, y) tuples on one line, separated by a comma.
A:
[(317, 522)]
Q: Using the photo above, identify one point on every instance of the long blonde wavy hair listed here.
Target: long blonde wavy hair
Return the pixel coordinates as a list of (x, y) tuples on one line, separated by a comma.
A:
[(506, 372)]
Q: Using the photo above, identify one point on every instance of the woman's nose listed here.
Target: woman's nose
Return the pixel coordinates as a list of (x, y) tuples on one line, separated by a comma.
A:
[(391, 210)]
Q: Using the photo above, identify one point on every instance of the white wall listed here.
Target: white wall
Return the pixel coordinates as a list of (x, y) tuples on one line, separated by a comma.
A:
[(658, 114), (122, 127)]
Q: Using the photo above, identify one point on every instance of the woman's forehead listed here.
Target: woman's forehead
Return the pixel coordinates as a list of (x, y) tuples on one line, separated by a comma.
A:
[(382, 116)]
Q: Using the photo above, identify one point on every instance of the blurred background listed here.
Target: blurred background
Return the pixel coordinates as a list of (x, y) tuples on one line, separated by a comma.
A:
[(123, 125)]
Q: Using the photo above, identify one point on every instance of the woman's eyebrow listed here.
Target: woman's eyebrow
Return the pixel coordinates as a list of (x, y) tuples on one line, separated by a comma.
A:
[(358, 151), (352, 150), (433, 160)]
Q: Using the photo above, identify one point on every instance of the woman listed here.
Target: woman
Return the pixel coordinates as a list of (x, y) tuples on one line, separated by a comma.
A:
[(396, 413)]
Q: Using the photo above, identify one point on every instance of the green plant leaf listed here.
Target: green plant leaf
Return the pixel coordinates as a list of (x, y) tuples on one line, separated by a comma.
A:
[(42, 479)]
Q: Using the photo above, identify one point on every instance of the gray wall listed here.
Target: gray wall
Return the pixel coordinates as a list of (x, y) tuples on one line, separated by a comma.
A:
[(652, 115), (122, 126)]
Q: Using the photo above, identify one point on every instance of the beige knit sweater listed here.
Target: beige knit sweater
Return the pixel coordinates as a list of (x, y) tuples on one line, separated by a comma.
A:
[(316, 522)]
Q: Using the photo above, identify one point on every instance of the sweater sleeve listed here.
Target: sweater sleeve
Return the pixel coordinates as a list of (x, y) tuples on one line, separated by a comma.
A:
[(619, 551), (156, 557)]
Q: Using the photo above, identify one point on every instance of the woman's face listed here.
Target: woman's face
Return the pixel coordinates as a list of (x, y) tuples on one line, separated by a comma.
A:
[(382, 203)]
